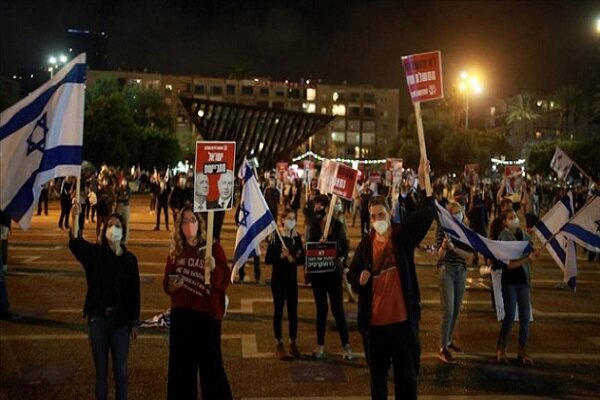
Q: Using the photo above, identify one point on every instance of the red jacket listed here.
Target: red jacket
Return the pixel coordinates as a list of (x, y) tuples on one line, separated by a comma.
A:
[(195, 295)]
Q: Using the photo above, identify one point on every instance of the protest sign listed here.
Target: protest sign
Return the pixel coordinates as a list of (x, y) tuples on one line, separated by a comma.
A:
[(393, 171), (320, 257), (213, 176), (344, 181)]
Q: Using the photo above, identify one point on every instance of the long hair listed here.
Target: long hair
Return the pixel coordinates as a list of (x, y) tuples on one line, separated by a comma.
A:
[(103, 239), (178, 239)]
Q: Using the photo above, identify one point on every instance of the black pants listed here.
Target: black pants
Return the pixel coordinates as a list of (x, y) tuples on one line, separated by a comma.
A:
[(364, 224), (329, 283), (65, 210), (257, 270), (195, 347), (398, 343), (165, 209), (285, 290)]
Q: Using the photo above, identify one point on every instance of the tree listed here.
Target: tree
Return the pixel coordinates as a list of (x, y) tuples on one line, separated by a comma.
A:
[(158, 148), (520, 116), (569, 104)]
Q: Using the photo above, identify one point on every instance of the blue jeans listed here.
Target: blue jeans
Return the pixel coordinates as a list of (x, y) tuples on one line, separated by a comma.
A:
[(452, 290), (104, 337), (515, 295)]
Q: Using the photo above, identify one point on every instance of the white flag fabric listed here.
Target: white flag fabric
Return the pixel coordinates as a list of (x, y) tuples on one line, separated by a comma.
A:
[(40, 139), (255, 222), (561, 163), (561, 248), (584, 227), (503, 251), (326, 176)]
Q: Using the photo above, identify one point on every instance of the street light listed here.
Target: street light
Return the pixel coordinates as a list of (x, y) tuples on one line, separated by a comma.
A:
[(55, 62), (468, 84)]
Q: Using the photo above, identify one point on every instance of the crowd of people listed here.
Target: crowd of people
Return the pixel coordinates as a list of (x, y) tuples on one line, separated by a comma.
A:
[(380, 274)]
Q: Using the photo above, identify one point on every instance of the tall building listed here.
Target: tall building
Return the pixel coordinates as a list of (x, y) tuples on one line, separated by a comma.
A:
[(365, 116)]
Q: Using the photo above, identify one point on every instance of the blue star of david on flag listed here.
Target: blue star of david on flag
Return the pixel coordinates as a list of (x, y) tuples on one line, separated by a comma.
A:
[(37, 138), (243, 215)]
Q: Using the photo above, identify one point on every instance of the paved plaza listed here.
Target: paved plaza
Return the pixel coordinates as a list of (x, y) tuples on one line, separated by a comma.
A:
[(45, 354)]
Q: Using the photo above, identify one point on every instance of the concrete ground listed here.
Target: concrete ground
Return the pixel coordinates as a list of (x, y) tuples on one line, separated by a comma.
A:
[(45, 354)]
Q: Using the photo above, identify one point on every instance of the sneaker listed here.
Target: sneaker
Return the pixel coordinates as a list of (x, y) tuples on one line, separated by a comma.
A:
[(446, 356), (294, 352), (347, 353), (280, 351), (319, 352), (455, 347)]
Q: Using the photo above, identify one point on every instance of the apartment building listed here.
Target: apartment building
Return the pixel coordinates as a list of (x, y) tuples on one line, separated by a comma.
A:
[(365, 116)]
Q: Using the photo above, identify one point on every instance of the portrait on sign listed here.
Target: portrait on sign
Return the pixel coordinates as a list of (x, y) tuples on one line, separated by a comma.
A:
[(214, 179)]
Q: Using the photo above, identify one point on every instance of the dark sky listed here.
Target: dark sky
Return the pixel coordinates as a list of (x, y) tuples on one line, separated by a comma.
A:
[(514, 45)]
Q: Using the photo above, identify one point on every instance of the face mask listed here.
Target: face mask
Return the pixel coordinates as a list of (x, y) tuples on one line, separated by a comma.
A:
[(381, 226), (459, 217), (114, 234), (290, 224), (338, 207), (319, 214), (189, 230), (513, 224), (403, 194)]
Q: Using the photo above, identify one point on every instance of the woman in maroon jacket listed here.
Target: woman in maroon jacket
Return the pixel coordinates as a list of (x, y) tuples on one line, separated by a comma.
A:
[(197, 309)]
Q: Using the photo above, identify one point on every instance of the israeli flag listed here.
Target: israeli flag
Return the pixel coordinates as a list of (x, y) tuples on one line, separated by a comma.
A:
[(499, 250), (584, 227), (560, 247), (40, 139), (256, 221)]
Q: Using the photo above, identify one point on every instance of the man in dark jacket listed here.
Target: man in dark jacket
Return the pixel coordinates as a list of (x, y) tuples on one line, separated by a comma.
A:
[(383, 273)]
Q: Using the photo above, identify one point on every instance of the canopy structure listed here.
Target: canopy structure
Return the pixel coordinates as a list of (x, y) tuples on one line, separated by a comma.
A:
[(269, 134)]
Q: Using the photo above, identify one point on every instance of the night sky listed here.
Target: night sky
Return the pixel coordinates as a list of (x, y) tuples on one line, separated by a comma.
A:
[(514, 45)]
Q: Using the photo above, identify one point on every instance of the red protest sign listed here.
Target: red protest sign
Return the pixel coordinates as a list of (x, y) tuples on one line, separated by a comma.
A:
[(213, 176), (393, 170), (424, 76), (344, 180), (282, 170)]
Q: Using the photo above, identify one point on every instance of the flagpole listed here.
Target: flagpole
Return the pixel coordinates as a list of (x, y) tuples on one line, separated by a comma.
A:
[(583, 172), (330, 215), (209, 242), (422, 147)]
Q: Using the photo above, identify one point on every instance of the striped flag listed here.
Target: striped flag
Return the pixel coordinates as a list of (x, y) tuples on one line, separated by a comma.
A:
[(560, 247), (584, 227), (255, 221), (40, 139), (499, 250)]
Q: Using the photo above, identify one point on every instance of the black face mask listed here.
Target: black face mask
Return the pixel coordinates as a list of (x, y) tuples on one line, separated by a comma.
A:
[(319, 214)]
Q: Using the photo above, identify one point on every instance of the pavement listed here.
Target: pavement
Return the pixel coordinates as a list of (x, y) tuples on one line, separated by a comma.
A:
[(45, 354)]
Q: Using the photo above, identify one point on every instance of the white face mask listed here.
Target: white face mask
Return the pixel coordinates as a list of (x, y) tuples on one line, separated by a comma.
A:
[(513, 224), (290, 224), (381, 226), (338, 207), (459, 217), (114, 234)]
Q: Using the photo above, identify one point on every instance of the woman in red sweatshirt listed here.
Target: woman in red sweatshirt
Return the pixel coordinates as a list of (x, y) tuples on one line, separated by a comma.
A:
[(197, 309)]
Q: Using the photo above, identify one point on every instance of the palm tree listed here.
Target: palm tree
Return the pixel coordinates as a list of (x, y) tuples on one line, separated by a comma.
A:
[(522, 113), (569, 104)]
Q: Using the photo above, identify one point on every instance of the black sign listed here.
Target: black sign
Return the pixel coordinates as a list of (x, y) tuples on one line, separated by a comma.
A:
[(320, 257)]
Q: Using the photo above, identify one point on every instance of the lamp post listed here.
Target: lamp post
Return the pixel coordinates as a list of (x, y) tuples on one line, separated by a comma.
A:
[(55, 62), (468, 84)]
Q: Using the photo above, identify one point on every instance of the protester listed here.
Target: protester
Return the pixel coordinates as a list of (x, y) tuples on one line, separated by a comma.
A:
[(530, 206), (197, 309), (272, 197), (112, 302), (329, 283), (516, 284), (66, 187), (123, 194), (177, 198), (43, 201), (453, 278), (383, 273), (365, 196), (284, 281), (5, 313), (162, 202), (496, 226), (106, 202)]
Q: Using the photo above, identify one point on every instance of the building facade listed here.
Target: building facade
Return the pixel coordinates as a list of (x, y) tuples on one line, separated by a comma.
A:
[(365, 116)]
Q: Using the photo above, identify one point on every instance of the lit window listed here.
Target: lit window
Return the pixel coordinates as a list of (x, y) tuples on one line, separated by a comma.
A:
[(311, 94), (335, 96), (323, 110), (338, 137), (309, 107), (169, 87), (493, 110), (338, 109)]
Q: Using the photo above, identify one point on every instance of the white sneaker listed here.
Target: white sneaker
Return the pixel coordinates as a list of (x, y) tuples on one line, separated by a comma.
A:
[(319, 352), (347, 353)]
